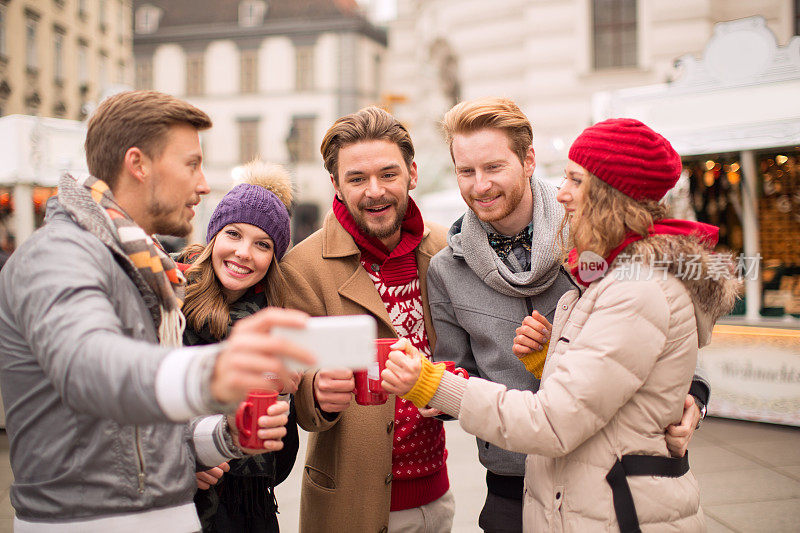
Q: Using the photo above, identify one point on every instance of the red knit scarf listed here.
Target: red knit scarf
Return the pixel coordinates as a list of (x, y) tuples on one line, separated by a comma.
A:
[(705, 233), (399, 265)]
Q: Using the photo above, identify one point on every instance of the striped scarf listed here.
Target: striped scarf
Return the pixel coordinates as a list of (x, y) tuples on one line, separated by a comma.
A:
[(154, 265)]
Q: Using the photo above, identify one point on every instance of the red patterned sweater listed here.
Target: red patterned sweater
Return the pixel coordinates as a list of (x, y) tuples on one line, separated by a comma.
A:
[(419, 470)]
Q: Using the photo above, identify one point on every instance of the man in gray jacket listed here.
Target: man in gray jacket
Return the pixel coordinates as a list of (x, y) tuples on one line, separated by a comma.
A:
[(501, 268), (96, 388)]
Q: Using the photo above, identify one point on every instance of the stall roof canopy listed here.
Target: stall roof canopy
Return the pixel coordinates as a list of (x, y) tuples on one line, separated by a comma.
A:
[(37, 150), (742, 94)]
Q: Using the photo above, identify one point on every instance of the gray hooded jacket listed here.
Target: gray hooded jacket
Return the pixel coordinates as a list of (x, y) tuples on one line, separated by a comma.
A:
[(477, 302)]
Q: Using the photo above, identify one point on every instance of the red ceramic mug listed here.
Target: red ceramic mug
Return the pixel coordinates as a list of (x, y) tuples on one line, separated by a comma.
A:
[(368, 389), (248, 413), (450, 366)]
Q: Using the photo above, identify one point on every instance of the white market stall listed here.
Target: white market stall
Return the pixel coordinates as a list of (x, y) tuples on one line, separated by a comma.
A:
[(734, 116), (34, 153)]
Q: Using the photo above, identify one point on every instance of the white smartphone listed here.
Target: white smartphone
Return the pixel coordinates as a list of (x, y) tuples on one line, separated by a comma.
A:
[(336, 341)]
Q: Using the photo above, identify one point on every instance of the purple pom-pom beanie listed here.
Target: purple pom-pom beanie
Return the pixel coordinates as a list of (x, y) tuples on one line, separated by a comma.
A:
[(253, 204)]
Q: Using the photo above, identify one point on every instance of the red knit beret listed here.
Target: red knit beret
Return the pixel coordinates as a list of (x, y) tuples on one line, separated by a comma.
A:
[(628, 156)]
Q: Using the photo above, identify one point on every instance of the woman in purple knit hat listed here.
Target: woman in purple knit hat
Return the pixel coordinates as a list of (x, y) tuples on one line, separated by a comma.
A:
[(621, 354), (231, 277)]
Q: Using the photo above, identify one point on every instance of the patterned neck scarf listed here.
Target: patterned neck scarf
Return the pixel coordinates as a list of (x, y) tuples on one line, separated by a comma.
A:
[(503, 245), (155, 266)]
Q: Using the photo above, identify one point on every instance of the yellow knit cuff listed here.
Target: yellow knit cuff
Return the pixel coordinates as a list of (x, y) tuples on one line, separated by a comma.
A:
[(534, 361), (430, 376)]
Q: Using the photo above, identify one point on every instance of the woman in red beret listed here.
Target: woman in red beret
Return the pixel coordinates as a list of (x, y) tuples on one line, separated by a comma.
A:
[(622, 353)]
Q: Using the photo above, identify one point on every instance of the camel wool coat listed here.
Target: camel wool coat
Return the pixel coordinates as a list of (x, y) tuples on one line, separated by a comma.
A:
[(346, 484)]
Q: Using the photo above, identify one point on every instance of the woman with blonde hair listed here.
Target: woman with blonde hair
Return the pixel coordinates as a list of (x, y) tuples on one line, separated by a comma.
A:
[(621, 356), (233, 276)]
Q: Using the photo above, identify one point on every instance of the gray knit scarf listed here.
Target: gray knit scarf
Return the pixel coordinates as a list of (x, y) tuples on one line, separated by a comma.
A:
[(545, 250)]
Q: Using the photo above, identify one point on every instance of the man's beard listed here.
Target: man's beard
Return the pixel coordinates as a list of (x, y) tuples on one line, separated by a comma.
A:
[(163, 223), (383, 232), (512, 200)]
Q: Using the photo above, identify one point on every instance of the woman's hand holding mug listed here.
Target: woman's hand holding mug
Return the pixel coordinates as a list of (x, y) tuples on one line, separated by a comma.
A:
[(402, 368), (271, 429)]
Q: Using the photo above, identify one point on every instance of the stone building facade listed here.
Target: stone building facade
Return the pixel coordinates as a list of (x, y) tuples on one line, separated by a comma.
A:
[(58, 57), (273, 75), (550, 56)]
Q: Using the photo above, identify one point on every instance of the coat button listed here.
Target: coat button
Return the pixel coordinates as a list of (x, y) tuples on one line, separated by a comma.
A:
[(390, 426), (375, 267), (564, 307), (558, 495), (388, 479)]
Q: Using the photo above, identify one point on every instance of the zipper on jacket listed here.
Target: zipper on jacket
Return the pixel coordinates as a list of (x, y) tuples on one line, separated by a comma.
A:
[(140, 460), (572, 281)]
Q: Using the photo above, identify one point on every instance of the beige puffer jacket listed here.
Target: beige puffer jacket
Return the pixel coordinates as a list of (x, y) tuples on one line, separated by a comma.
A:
[(618, 369)]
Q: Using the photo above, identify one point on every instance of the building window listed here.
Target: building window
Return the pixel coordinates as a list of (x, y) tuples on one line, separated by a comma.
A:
[(83, 63), (144, 73), (147, 19), (614, 33), (300, 143), (101, 15), (195, 74), (305, 221), (120, 72), (121, 21), (31, 49), (32, 103), (248, 139), (102, 68), (376, 72), (60, 110), (82, 11), (304, 74), (58, 55), (2, 29), (251, 12), (249, 71), (797, 17)]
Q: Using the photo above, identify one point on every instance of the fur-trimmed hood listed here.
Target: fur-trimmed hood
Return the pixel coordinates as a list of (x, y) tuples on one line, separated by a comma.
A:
[(708, 277)]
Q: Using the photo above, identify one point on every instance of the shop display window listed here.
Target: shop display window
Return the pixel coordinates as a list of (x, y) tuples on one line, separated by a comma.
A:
[(8, 206), (715, 194), (6, 210), (779, 231), (40, 197)]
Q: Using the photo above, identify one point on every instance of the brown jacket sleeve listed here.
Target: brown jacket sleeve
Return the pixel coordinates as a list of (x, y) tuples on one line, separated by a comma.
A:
[(299, 294)]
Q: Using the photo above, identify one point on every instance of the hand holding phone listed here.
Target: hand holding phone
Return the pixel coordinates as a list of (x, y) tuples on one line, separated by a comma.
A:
[(336, 341)]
